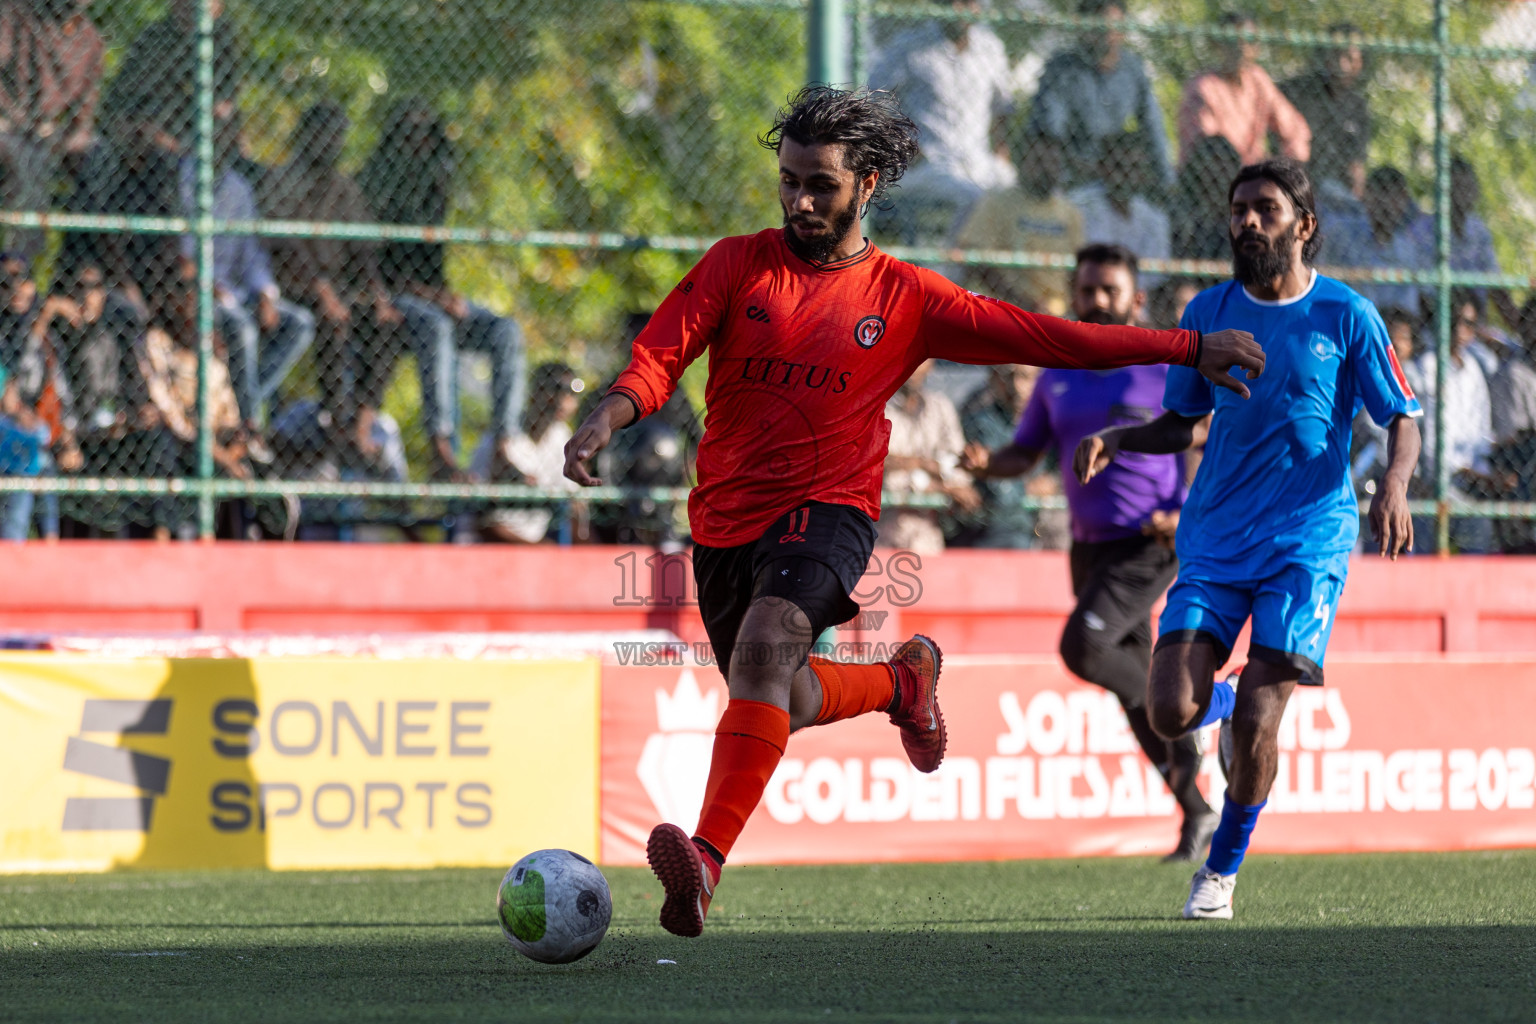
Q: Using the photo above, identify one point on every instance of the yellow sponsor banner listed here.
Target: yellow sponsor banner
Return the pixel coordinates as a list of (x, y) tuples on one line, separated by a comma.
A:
[(294, 763)]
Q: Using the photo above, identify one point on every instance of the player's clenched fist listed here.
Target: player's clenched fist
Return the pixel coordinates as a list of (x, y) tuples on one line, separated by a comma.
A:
[(1222, 350), (1094, 454)]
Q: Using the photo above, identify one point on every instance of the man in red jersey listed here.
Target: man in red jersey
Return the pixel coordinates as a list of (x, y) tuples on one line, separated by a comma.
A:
[(809, 330)]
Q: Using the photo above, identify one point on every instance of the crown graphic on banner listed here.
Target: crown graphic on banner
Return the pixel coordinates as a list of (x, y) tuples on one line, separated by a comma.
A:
[(686, 708)]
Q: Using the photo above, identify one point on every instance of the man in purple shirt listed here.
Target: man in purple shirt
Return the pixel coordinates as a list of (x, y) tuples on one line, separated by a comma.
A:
[(1123, 523)]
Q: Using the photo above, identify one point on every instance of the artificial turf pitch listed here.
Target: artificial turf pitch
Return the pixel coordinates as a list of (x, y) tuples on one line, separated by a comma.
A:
[(1420, 937)]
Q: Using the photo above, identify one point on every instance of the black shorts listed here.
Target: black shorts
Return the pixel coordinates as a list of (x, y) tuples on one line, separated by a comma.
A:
[(1117, 582), (812, 556)]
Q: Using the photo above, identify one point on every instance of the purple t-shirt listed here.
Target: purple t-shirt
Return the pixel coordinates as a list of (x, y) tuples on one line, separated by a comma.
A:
[(1067, 406)]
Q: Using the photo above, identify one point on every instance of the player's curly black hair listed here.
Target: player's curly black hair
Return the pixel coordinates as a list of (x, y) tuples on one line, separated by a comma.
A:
[(1290, 177), (869, 125)]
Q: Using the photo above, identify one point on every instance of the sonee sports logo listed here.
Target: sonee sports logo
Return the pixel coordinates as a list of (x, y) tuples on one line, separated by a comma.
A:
[(757, 313), (868, 331), (145, 773)]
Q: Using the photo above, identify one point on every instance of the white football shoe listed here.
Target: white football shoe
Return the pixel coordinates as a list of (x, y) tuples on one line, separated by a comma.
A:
[(1210, 896)]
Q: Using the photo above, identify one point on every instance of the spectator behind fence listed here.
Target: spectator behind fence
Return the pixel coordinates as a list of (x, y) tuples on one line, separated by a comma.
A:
[(1198, 210), (407, 180), (266, 333), (96, 333), (953, 78), (1512, 390), (153, 97), (987, 419), (23, 442), (1241, 103), (1512, 461), (168, 361), (1096, 90), (339, 280), (50, 80), (38, 402), (1468, 425), (923, 459), (1115, 210), (1471, 241), (537, 455), (93, 332), (1403, 328), (1166, 302), (1381, 238), (126, 175), (1034, 216), (1335, 107)]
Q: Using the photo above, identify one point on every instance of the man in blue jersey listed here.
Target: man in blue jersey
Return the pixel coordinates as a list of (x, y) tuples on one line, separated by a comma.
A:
[(1271, 518), (1122, 523)]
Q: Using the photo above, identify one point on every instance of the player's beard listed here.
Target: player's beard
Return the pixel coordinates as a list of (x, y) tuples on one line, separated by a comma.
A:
[(1272, 261), (1107, 317), (821, 248)]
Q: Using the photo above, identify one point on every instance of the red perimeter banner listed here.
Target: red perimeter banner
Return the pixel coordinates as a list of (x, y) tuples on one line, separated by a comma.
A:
[(1432, 754)]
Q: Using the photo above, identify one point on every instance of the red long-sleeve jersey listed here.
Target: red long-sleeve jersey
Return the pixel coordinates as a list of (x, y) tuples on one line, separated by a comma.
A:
[(803, 356)]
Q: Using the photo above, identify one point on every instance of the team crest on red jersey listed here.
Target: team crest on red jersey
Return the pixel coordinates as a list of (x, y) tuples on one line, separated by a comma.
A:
[(868, 331)]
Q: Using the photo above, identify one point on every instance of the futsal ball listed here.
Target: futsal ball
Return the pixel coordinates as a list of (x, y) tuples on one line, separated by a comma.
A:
[(554, 906)]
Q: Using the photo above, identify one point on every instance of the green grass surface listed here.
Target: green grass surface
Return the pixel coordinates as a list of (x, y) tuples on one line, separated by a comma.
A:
[(1402, 937)]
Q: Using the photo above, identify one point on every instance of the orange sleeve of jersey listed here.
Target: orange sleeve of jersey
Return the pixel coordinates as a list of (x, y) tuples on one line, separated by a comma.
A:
[(968, 328), (679, 332)]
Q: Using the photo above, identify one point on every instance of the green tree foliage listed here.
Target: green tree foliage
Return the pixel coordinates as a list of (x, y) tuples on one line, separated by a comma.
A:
[(597, 116), (640, 118)]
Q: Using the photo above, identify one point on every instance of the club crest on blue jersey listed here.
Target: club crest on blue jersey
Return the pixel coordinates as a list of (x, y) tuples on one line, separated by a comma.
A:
[(1322, 346)]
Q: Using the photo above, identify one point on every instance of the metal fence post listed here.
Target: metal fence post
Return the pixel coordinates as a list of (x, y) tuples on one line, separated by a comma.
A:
[(203, 232), (1443, 282), (827, 39), (862, 44)]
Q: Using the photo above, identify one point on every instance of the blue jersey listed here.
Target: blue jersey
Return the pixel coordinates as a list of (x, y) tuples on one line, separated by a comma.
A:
[(1274, 489)]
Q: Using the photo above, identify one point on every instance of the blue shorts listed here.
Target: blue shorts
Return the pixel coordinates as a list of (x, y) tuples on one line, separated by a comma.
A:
[(1292, 613)]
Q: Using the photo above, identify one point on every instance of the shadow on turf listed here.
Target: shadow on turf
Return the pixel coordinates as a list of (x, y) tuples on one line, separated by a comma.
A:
[(1186, 971), (207, 926), (728, 925)]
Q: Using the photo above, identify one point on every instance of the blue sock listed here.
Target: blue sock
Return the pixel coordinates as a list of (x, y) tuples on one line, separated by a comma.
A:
[(1223, 699), (1231, 839)]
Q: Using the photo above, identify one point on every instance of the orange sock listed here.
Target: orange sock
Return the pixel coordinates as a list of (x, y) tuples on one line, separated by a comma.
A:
[(749, 741), (848, 691)]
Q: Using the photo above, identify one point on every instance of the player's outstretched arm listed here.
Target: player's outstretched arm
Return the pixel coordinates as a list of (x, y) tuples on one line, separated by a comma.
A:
[(1010, 461), (1391, 525), (1222, 350), (1165, 435), (612, 413), (968, 328)]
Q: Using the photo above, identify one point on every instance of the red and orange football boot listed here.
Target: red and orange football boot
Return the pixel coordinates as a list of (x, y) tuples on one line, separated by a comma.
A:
[(687, 874), (917, 663)]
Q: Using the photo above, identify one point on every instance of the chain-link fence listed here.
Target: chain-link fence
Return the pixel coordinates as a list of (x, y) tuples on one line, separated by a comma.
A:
[(350, 271)]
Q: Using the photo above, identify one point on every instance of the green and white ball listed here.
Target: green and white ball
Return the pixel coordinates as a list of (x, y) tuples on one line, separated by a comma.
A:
[(554, 906)]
